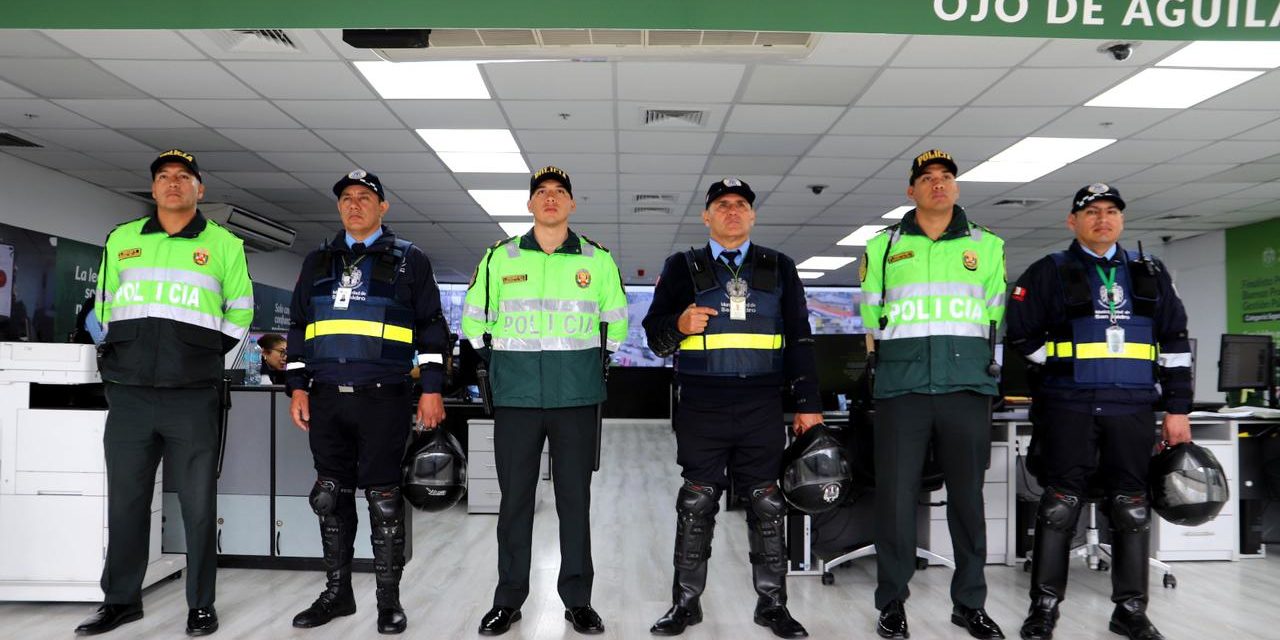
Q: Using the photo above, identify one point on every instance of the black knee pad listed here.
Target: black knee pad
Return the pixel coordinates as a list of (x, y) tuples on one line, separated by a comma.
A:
[(386, 505), (696, 506), (327, 495), (767, 503), (765, 535), (697, 500), (1130, 513), (1059, 510)]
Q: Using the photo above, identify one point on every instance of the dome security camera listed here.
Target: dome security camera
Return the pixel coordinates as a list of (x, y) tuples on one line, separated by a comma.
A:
[(1119, 51), (817, 189)]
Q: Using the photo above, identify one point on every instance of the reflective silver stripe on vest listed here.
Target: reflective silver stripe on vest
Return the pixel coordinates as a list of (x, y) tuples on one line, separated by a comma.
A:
[(613, 345), (615, 315), (476, 313), (547, 344), (926, 329), (975, 232), (513, 249), (204, 281), (239, 303), (519, 305), (1170, 360), (166, 312), (996, 300), (588, 250), (921, 289), (872, 299)]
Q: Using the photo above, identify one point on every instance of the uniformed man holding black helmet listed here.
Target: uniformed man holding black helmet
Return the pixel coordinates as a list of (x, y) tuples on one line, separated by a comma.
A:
[(734, 314), (365, 303), (1104, 325)]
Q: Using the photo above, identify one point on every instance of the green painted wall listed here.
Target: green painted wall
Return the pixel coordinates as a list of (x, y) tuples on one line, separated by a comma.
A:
[(1253, 278)]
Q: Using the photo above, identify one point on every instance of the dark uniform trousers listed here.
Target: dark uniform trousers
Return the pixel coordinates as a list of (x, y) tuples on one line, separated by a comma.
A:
[(960, 427), (143, 425), (517, 443), (1073, 445), (742, 432), (358, 438)]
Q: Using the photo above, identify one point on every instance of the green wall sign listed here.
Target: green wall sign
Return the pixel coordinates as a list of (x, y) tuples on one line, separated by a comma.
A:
[(1253, 278), (1104, 19)]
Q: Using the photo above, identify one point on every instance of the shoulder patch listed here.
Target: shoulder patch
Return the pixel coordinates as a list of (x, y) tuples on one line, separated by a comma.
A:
[(502, 242), (593, 243)]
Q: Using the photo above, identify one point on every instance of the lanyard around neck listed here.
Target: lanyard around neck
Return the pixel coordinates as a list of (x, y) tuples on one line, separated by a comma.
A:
[(1109, 281)]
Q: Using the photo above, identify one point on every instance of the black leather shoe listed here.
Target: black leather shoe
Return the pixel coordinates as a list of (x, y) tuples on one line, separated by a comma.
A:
[(1131, 621), (202, 621), (585, 620), (674, 621), (893, 621), (108, 617), (1039, 623), (780, 622), (498, 621), (979, 624)]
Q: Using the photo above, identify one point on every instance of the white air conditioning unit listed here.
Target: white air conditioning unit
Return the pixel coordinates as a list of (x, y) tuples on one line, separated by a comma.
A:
[(257, 231), (607, 44)]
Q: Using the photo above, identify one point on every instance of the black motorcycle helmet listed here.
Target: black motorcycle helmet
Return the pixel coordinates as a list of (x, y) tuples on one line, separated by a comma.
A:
[(1188, 486), (815, 471), (435, 470)]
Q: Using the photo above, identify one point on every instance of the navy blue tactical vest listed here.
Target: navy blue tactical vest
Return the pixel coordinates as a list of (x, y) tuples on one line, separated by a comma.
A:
[(377, 325), (736, 348)]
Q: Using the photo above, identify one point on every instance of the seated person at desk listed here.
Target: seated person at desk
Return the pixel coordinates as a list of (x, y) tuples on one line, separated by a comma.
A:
[(274, 350), (1105, 324)]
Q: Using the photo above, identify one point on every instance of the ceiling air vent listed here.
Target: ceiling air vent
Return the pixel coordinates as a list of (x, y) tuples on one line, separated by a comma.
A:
[(10, 140), (674, 118), (1019, 203), (652, 211), (254, 41), (655, 198)]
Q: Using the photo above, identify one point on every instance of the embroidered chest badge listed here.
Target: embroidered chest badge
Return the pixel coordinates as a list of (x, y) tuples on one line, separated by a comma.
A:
[(200, 257), (583, 278), (970, 260)]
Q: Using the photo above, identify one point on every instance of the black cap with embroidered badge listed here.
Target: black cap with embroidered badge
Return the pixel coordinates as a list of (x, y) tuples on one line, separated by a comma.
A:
[(362, 178), (730, 185), (1096, 191), (932, 156), (175, 156), (550, 173)]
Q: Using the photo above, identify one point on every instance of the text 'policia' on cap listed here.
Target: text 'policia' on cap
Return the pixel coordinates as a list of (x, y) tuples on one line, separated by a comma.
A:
[(175, 156), (550, 173), (932, 156)]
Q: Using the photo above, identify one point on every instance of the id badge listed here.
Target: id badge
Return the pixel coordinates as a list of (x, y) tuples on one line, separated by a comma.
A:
[(342, 298), (737, 307), (1115, 340)]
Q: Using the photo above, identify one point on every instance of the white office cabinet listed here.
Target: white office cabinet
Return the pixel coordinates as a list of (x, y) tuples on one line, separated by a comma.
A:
[(297, 529), (483, 495), (243, 525)]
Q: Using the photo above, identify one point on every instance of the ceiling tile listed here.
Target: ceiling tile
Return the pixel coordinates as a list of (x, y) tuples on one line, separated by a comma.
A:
[(310, 162), (381, 163), (126, 114), (851, 167), (764, 144), (913, 87), (1207, 124), (679, 81), (681, 142), (532, 140), (260, 179), (757, 118), (112, 178), (562, 80), (317, 80), (1178, 172), (991, 121), (93, 140), (276, 139), (1091, 172), (150, 44), (1231, 152), (798, 84), (1269, 131), (968, 151), (857, 49), (1060, 87), (234, 114), (138, 160), (1068, 52), (915, 121), (177, 79), (832, 146), (449, 114), (965, 51), (576, 164), (234, 161), (64, 78), (60, 160), (341, 114), (9, 91), (1103, 122), (652, 163), (547, 114), (386, 140), (409, 180), (747, 165), (18, 113), (22, 43), (1258, 93), (189, 139), (661, 183), (1148, 151)]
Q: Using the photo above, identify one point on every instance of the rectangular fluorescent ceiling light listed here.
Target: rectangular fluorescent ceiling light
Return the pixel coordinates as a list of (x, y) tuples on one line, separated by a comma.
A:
[(470, 140), (810, 275), (1030, 158), (861, 235), (824, 263), (444, 80), (502, 202), (515, 228), (897, 214), (1171, 88), (1226, 55), (465, 162)]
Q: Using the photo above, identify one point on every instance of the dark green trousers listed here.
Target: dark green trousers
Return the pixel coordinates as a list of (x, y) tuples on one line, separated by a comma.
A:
[(959, 426), (145, 424)]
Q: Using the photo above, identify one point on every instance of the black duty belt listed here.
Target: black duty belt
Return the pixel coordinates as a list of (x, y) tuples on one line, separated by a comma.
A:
[(386, 387)]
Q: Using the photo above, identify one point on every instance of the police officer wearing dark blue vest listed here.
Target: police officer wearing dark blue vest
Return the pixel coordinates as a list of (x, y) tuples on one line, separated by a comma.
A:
[(1109, 335), (365, 303), (734, 314)]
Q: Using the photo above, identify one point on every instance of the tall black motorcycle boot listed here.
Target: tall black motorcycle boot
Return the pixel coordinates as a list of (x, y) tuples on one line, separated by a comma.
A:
[(769, 562), (336, 507), (386, 520), (696, 508), (1130, 546), (1055, 528)]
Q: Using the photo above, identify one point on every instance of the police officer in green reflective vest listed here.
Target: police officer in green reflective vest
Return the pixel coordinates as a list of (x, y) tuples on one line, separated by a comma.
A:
[(534, 310), (933, 291), (174, 296)]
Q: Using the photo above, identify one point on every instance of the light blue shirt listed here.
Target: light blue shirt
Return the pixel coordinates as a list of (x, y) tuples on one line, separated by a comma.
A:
[(367, 241), (717, 249), (94, 328), (1110, 252)]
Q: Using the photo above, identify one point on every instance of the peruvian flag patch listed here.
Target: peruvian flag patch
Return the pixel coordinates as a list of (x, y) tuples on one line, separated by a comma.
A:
[(1019, 294)]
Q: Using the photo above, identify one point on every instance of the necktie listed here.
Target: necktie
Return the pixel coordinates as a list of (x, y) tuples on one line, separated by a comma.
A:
[(357, 247), (730, 257)]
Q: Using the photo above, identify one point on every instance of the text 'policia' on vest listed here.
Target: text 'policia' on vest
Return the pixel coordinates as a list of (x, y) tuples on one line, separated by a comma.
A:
[(735, 348), (171, 305)]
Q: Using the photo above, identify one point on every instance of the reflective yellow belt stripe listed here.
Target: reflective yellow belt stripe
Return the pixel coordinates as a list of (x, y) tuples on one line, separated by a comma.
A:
[(731, 341), (360, 328), (1093, 350)]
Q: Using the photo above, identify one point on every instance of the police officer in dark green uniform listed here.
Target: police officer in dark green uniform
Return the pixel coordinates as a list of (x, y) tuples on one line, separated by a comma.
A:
[(174, 296)]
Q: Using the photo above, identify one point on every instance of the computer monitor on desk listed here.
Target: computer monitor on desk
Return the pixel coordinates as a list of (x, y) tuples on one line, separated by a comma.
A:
[(841, 360), (1246, 363)]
